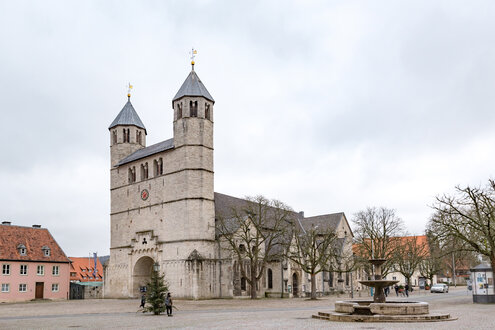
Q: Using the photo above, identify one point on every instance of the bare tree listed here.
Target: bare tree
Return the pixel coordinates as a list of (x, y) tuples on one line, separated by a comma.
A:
[(313, 249), (408, 255), (450, 252), (375, 229), (254, 234), (469, 216), (432, 264)]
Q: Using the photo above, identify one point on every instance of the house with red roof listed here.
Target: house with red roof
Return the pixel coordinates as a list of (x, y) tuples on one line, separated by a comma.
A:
[(83, 270), (33, 266)]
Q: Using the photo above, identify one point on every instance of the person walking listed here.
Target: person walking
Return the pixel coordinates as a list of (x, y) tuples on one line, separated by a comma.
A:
[(143, 300), (168, 304), (407, 289), (396, 287)]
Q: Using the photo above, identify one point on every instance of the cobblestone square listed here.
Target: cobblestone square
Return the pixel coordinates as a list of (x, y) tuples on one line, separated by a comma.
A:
[(230, 313)]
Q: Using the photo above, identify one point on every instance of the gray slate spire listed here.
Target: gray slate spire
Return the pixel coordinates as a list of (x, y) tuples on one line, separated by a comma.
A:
[(127, 116), (193, 87)]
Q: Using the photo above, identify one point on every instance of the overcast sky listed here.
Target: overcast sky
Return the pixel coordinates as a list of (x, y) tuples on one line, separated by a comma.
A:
[(328, 106)]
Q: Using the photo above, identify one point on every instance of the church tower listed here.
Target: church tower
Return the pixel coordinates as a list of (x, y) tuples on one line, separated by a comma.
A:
[(193, 140), (127, 133), (162, 213)]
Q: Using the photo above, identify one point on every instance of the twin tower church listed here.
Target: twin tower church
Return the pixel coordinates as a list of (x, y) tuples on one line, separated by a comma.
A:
[(163, 208)]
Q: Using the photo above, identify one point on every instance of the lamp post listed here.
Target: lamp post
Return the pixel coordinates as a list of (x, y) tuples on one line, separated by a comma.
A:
[(156, 266)]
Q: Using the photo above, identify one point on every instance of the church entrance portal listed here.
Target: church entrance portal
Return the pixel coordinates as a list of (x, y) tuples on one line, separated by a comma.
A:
[(141, 274), (295, 285)]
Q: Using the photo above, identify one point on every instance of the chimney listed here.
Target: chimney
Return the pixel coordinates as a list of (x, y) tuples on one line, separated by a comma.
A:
[(6, 223), (36, 226), (301, 214)]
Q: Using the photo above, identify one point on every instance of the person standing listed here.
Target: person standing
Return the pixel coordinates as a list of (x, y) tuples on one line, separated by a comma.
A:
[(396, 287), (407, 289), (168, 304), (143, 300)]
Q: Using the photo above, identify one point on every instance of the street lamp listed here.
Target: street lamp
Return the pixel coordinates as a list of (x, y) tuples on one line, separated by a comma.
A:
[(156, 267)]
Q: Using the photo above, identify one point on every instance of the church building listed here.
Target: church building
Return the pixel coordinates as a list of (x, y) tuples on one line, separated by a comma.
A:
[(163, 208)]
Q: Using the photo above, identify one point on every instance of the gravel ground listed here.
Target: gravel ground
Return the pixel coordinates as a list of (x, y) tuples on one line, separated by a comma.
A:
[(230, 313)]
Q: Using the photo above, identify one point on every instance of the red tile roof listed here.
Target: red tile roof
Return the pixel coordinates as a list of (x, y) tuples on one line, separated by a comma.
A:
[(421, 240), (83, 267), (34, 239)]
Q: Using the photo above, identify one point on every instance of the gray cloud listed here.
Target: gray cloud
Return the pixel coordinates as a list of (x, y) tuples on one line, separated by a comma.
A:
[(328, 107)]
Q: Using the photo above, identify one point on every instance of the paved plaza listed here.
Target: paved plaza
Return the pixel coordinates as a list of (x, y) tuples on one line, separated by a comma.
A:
[(231, 313)]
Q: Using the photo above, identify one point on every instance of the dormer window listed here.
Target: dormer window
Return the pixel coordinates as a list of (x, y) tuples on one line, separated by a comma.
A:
[(46, 251), (22, 249)]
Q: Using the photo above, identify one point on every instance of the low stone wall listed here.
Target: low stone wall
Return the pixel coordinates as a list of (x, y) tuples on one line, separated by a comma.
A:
[(93, 292), (400, 308)]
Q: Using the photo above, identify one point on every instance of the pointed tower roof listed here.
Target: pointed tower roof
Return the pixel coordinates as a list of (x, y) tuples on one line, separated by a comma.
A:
[(127, 116), (193, 87)]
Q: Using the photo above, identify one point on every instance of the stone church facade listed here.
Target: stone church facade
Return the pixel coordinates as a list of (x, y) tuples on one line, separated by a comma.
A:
[(163, 208)]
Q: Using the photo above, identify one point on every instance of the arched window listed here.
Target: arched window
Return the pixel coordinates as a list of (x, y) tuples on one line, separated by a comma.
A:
[(138, 137), (270, 279), (179, 110), (243, 283), (207, 111), (155, 167), (132, 174), (330, 279), (242, 248), (114, 134), (160, 166), (127, 135), (144, 171), (347, 279), (193, 105)]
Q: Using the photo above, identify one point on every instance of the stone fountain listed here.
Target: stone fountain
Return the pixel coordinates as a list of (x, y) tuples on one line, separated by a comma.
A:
[(379, 310), (378, 283)]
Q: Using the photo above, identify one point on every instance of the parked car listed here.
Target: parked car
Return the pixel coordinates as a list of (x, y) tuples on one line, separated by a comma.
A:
[(440, 287)]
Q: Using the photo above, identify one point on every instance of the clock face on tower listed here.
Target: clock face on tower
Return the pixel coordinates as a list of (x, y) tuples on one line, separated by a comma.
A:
[(144, 194)]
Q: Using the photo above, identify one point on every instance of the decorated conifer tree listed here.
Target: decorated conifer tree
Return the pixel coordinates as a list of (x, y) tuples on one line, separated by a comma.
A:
[(156, 289)]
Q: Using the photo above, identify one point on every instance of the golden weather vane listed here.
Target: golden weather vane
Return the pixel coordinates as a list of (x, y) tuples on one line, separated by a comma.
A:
[(193, 53), (129, 88)]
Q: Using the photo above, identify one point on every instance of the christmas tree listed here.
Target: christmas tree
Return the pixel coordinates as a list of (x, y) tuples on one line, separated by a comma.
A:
[(156, 289)]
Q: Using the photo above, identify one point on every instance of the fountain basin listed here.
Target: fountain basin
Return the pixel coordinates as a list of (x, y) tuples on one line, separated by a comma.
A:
[(379, 283), (361, 307)]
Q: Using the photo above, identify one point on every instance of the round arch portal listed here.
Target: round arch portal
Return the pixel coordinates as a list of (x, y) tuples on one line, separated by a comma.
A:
[(141, 274)]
